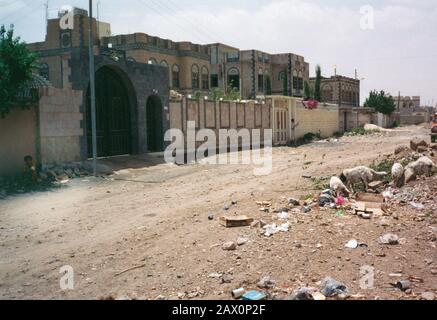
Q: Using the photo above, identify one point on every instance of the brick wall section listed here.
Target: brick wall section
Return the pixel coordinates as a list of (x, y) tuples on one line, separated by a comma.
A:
[(60, 125), (323, 120), (18, 133)]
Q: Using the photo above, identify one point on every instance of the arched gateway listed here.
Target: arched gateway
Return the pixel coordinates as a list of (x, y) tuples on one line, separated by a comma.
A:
[(113, 115)]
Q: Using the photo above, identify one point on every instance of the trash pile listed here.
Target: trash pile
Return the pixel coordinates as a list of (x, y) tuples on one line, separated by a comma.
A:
[(381, 189)]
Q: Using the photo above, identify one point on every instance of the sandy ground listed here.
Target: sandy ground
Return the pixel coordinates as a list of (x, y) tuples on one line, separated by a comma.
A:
[(157, 217)]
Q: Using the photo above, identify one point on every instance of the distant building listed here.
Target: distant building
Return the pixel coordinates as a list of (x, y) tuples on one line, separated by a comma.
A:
[(340, 90), (407, 105)]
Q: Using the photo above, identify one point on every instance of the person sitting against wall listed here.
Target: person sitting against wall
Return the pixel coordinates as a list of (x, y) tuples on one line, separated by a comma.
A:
[(30, 173)]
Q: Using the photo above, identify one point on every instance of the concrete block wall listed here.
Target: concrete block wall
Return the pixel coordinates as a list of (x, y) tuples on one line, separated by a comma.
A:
[(323, 120), (60, 125), (216, 115)]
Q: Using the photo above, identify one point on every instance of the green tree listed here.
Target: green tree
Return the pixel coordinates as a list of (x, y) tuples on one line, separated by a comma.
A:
[(381, 102), (318, 83), (16, 64), (308, 91)]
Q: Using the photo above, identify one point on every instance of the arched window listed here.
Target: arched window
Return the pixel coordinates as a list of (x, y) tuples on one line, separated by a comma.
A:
[(195, 77), (175, 76), (327, 93), (44, 71), (152, 61), (205, 78), (164, 63), (234, 78), (281, 75)]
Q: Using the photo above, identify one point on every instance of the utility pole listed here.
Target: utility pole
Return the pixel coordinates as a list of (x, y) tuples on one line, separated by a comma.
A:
[(47, 14), (92, 88)]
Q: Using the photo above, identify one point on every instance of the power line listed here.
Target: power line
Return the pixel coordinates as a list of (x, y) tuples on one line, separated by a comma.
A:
[(31, 10), (177, 21), (204, 30)]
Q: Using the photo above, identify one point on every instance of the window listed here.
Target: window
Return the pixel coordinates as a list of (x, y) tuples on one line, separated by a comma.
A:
[(214, 81), (327, 94), (152, 61), (175, 76), (205, 78), (261, 81), (234, 78), (300, 81), (164, 63), (44, 71), (295, 81), (281, 76), (195, 77)]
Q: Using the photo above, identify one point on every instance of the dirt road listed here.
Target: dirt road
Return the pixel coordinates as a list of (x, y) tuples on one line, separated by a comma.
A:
[(157, 218)]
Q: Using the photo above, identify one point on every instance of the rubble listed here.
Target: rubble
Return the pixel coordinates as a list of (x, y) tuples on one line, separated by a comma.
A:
[(333, 288), (237, 221), (229, 246), (266, 283), (417, 142), (390, 239)]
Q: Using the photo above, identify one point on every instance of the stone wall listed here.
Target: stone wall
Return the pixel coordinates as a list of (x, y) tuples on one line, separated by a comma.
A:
[(414, 119), (60, 125)]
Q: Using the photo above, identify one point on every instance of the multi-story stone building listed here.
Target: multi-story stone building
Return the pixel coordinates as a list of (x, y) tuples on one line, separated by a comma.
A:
[(256, 73), (340, 90), (191, 67)]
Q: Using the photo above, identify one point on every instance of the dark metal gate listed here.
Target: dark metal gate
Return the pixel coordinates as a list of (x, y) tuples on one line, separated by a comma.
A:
[(155, 137), (112, 114)]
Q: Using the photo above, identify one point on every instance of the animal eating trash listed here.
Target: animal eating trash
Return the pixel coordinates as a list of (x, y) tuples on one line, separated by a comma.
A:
[(360, 174), (397, 173), (338, 187)]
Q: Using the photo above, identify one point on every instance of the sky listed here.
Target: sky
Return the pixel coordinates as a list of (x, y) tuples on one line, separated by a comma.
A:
[(391, 43)]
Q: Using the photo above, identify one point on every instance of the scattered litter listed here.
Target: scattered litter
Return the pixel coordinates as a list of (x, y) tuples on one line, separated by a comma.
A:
[(352, 244), (307, 294), (389, 238), (272, 229), (293, 202), (388, 194), (237, 221), (417, 206), (129, 269), (266, 283), (340, 213), (238, 293), (215, 275), (340, 201), (403, 285), (283, 215), (211, 217), (306, 209), (254, 296), (331, 288)]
